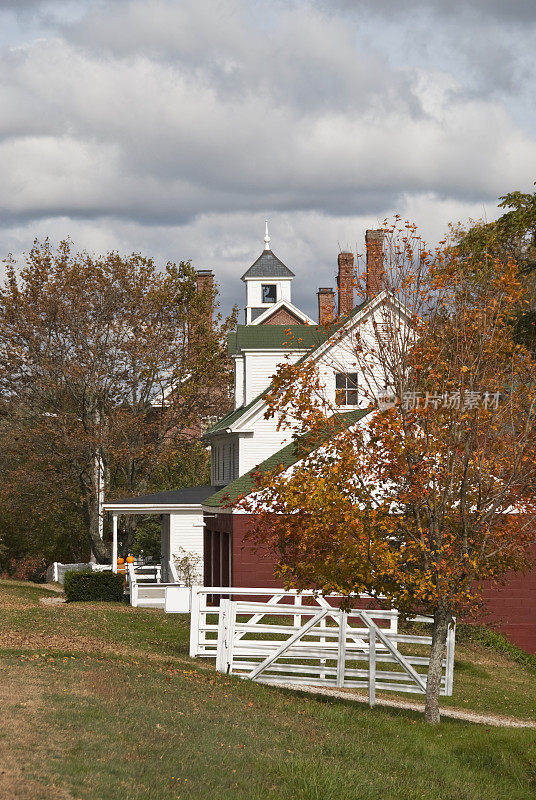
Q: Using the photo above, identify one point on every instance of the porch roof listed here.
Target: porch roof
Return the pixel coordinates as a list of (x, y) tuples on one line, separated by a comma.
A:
[(162, 501)]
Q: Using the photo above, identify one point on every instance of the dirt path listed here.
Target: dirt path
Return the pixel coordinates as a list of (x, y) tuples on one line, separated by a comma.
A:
[(453, 713)]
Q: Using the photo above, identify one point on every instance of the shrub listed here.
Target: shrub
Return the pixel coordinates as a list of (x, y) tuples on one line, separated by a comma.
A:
[(29, 568), (93, 586), (188, 565)]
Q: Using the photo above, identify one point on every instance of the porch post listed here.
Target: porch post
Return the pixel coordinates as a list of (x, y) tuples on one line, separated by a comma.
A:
[(114, 542)]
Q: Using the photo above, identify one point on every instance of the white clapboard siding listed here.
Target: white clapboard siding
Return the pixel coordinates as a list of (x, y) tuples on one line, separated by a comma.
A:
[(265, 441), (260, 366), (186, 535), (239, 381)]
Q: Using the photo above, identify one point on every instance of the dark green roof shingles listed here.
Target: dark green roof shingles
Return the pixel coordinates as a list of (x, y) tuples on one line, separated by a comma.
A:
[(276, 337)]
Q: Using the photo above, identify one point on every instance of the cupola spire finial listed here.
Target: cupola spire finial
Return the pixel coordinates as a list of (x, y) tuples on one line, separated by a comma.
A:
[(266, 237)]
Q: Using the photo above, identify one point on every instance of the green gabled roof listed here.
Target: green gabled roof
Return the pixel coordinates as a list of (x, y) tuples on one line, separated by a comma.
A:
[(285, 457), (285, 337), (233, 416), (275, 337)]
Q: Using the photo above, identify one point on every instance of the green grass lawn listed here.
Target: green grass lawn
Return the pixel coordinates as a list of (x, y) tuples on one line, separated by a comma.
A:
[(101, 702)]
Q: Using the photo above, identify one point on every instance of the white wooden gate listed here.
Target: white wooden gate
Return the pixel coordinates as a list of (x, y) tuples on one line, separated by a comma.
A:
[(324, 646), (205, 611)]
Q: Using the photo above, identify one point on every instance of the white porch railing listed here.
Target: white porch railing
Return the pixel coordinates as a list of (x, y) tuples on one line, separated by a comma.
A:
[(204, 618), (173, 571), (148, 573), (326, 647), (145, 588)]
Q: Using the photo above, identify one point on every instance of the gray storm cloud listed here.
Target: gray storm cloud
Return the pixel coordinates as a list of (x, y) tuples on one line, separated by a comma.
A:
[(160, 124)]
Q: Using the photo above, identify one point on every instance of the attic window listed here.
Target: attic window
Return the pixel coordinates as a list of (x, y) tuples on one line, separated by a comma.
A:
[(346, 388), (268, 292)]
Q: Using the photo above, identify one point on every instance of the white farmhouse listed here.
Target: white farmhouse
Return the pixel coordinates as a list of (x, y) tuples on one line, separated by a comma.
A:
[(194, 520)]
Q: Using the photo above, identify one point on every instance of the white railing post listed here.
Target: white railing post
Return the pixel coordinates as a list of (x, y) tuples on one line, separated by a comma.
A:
[(133, 585), (323, 640), (226, 626), (229, 645), (222, 659), (114, 542), (195, 606), (449, 665), (297, 617), (372, 668), (341, 649), (393, 628)]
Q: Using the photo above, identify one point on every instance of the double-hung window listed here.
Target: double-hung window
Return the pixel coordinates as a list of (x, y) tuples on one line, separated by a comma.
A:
[(346, 388)]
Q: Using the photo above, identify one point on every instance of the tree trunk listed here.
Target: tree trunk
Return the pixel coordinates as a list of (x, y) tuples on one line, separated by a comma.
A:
[(442, 620), (91, 518), (130, 532)]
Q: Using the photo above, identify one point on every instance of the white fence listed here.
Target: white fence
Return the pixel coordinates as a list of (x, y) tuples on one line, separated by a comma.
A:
[(303, 639), (56, 571), (205, 614)]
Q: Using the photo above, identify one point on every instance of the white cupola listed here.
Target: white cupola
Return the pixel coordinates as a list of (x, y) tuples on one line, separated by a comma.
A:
[(267, 282)]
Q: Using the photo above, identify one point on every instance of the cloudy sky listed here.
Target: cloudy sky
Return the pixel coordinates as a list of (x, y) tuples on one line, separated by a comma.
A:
[(174, 127)]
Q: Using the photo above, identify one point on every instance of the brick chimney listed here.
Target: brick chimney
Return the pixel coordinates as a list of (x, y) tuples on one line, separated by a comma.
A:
[(205, 281), (326, 306), (345, 282), (375, 268)]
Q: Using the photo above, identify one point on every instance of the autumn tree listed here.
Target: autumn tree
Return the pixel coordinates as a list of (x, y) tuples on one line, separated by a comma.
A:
[(107, 365), (511, 236), (431, 491)]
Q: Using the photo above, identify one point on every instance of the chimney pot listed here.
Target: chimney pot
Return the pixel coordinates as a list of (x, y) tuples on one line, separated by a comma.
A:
[(205, 281)]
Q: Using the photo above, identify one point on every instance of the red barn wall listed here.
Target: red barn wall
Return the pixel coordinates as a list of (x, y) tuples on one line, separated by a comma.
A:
[(511, 609), (249, 568)]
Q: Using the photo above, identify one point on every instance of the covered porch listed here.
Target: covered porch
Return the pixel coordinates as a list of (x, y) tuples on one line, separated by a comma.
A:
[(181, 534)]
